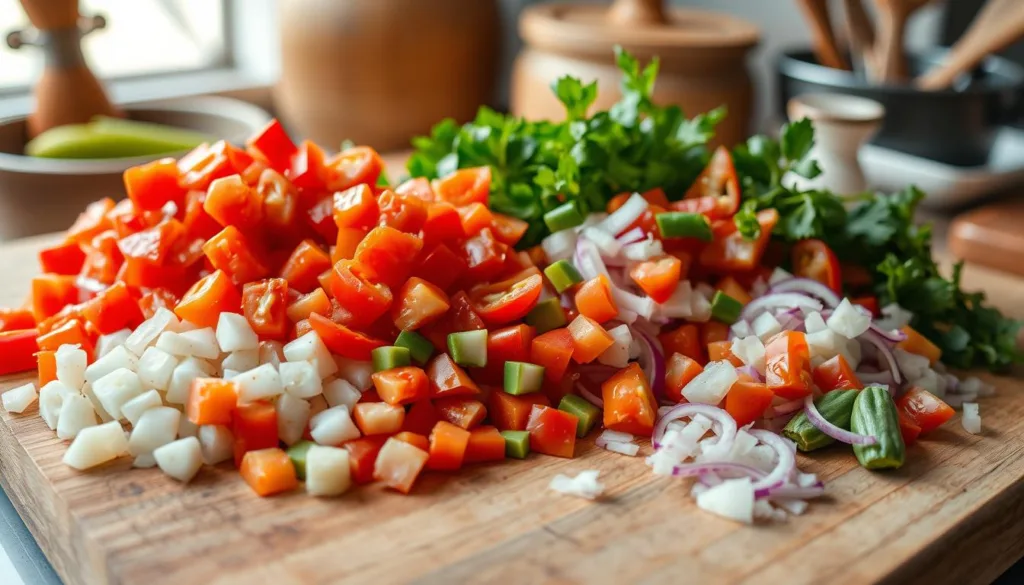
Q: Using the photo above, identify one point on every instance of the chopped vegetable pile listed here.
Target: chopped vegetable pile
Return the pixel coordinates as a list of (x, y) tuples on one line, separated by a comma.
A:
[(289, 313)]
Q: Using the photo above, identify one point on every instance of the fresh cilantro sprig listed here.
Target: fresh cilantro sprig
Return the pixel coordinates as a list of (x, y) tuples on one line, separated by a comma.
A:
[(536, 166), (876, 231)]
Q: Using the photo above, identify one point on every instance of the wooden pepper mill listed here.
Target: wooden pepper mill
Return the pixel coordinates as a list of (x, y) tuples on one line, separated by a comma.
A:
[(67, 91)]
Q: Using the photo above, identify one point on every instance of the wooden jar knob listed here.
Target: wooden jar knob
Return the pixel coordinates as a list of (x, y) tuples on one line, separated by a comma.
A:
[(637, 12)]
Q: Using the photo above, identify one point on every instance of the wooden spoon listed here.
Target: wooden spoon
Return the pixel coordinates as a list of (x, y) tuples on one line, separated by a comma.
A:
[(824, 40), (1000, 23), (862, 36), (888, 49)]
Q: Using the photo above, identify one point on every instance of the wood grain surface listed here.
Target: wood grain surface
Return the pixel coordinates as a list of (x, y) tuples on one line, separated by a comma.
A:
[(954, 514)]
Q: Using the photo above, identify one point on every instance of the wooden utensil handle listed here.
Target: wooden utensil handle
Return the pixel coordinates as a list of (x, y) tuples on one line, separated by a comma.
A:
[(637, 12)]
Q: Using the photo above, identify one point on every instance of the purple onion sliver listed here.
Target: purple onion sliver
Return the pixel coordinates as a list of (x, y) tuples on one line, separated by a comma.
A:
[(809, 287), (772, 301), (726, 430), (589, 396), (782, 471), (886, 352), (788, 407), (656, 377), (840, 434), (890, 336), (692, 469)]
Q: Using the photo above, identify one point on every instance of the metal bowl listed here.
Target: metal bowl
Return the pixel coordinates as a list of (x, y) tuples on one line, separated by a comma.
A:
[(39, 195), (955, 126)]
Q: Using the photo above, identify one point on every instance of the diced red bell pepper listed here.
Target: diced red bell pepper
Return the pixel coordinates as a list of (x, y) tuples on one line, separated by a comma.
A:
[(254, 427), (306, 168), (486, 443), (466, 413), (448, 445), (153, 185), (362, 454), (65, 258), (102, 258), (51, 293), (274, 145), (17, 351), (511, 413), (421, 417), (629, 404), (398, 386), (731, 252), (113, 309), (448, 379), (342, 340), (836, 374), (589, 339), (92, 221), (747, 401), (552, 431), (13, 319), (679, 371), (212, 401), (206, 163), (268, 472), (510, 344), (685, 340), (552, 350)]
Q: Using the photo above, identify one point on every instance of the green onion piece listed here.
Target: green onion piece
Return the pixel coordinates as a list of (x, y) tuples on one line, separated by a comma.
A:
[(547, 315), (680, 224), (563, 275), (585, 412), (725, 308), (419, 347), (517, 444), (469, 348), (563, 217), (523, 378), (390, 357), (297, 453)]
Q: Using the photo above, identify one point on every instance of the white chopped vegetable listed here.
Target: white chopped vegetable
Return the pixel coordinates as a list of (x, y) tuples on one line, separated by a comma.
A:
[(144, 461), (229, 374), (971, 419), (912, 366), (216, 443), (338, 392), (700, 308), (848, 321), (795, 507), (618, 353), (96, 405), (814, 323), (242, 360), (850, 349), (292, 416), (156, 367), (894, 317), (71, 363), (235, 334), (932, 382), (180, 459), (823, 344), (643, 250), (584, 485), (680, 304), (750, 350), (643, 306), (733, 499), (766, 325), (149, 331), (694, 431), (75, 414), (186, 428), (621, 218), (96, 445), (300, 379), (16, 400), (184, 373), (605, 242), (976, 386), (763, 510), (116, 388), (778, 275), (105, 343), (559, 245), (200, 343), (705, 289), (157, 426), (618, 436), (711, 385), (741, 329), (134, 408), (355, 372), (333, 426), (311, 348), (271, 352), (327, 471), (630, 449), (118, 358), (51, 397), (258, 384)]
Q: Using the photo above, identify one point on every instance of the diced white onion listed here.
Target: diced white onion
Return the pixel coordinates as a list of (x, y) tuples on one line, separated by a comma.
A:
[(643, 250), (241, 360), (180, 459), (216, 443), (157, 426), (700, 308), (96, 405), (605, 242), (559, 245), (733, 499), (741, 329), (133, 409), (301, 379), (116, 388), (584, 485), (847, 321), (187, 428), (355, 372), (617, 436), (292, 416), (106, 343), (117, 358), (680, 304), (813, 323), (333, 426), (894, 317), (711, 385), (257, 384), (149, 331), (156, 367), (621, 218), (71, 363), (181, 379), (778, 275), (617, 354), (311, 348), (911, 365), (16, 400), (76, 413), (96, 445), (200, 343), (750, 350), (630, 449), (144, 461), (235, 334), (765, 326), (51, 398), (971, 419), (327, 471), (271, 352)]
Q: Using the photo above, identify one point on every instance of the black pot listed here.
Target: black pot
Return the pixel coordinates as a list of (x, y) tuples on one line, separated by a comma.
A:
[(954, 126)]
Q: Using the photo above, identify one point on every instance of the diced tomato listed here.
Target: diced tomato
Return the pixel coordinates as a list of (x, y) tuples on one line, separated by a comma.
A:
[(629, 404), (418, 187), (418, 304), (306, 167), (233, 203), (208, 298), (441, 267), (511, 413), (268, 472), (280, 206), (102, 258), (787, 370), (442, 224), (415, 439), (908, 428), (447, 446), (747, 401), (420, 418), (685, 340), (17, 351), (815, 260), (510, 344), (274, 145), (836, 374), (346, 243), (354, 166), (92, 221), (486, 443), (729, 286), (51, 293), (314, 302), (399, 464), (152, 185), (594, 299), (342, 340), (552, 431), (679, 371), (731, 252), (509, 230), (230, 252), (658, 278), (925, 409), (483, 255), (205, 163), (351, 286), (405, 213), (475, 217), (719, 351), (589, 339), (378, 418), (461, 412), (212, 401), (362, 454), (356, 207), (113, 309), (508, 300), (464, 186), (448, 379), (713, 331), (320, 216), (553, 351), (65, 258), (47, 362), (399, 386), (919, 344), (304, 265), (155, 299), (460, 317), (254, 427), (265, 306), (388, 254), (11, 319)]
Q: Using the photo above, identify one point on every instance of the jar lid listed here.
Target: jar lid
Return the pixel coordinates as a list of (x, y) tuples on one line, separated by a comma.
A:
[(642, 26)]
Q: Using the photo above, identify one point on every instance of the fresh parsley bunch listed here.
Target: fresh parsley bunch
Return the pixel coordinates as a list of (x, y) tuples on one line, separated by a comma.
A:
[(536, 166)]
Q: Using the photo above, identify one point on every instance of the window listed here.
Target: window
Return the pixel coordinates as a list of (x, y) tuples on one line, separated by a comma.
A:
[(142, 37)]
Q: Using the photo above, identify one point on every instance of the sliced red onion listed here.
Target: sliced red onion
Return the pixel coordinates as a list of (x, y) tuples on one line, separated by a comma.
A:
[(788, 407), (785, 466), (588, 260), (559, 245), (634, 235), (652, 360), (840, 434), (622, 217), (752, 372), (892, 336), (885, 351), (706, 469), (642, 306), (774, 301), (809, 287), (726, 425), (589, 396)]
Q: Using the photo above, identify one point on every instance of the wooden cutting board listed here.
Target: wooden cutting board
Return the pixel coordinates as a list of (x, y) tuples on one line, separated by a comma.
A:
[(992, 235), (954, 514)]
